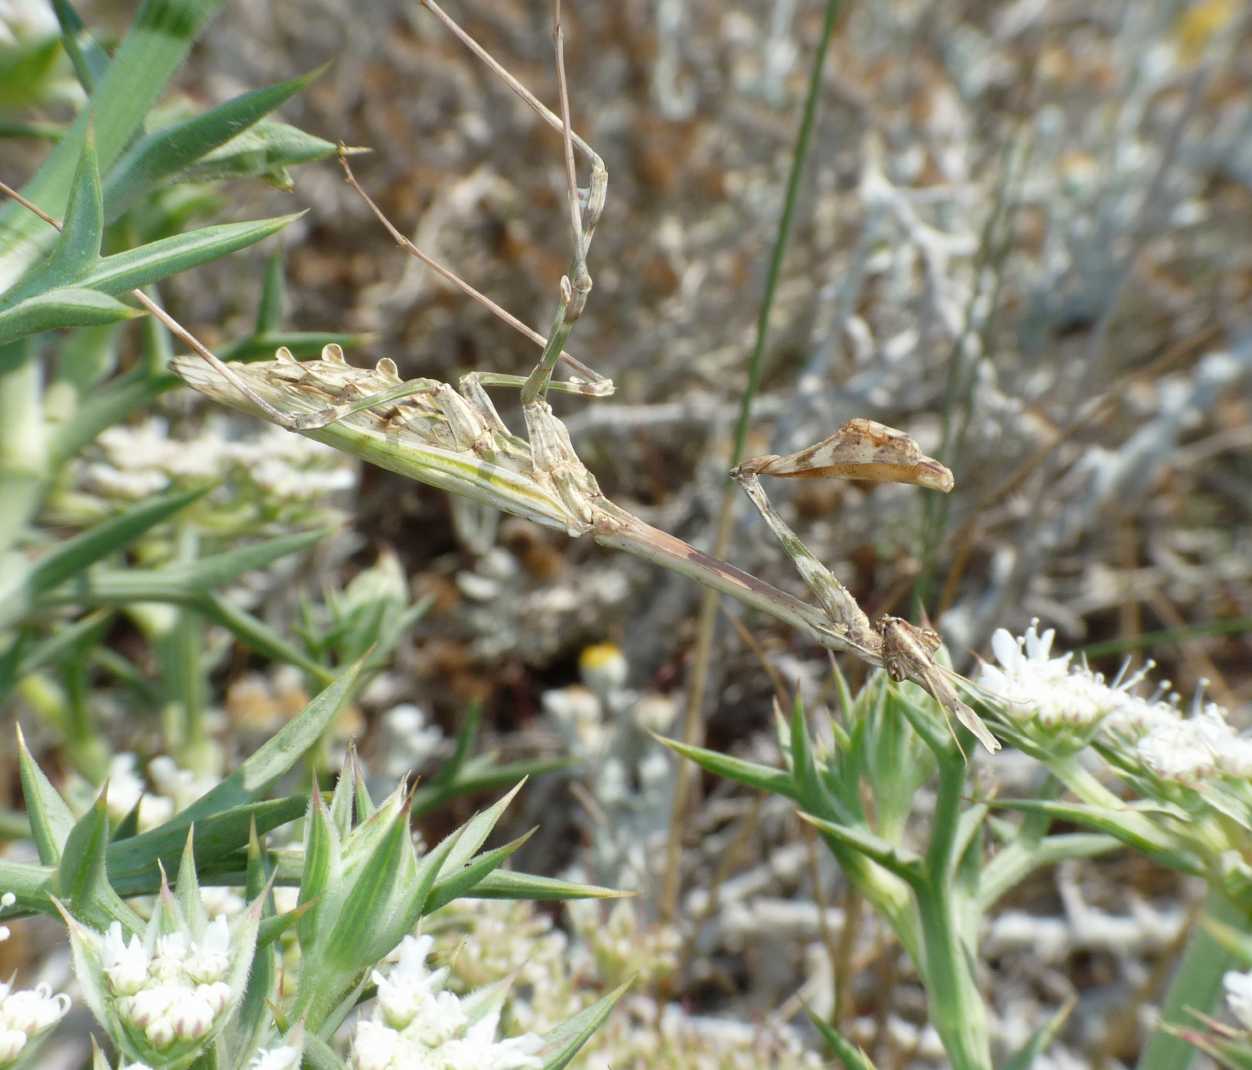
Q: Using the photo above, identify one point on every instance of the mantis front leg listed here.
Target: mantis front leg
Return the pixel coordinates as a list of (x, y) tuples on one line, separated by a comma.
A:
[(863, 449)]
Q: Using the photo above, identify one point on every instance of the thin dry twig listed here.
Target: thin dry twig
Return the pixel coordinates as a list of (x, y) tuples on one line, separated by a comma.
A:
[(600, 386)]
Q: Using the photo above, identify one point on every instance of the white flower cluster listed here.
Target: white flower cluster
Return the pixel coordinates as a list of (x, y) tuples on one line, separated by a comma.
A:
[(175, 789), (26, 1015), (143, 459), (175, 991), (556, 977), (1036, 688), (622, 945), (417, 1024), (1190, 750)]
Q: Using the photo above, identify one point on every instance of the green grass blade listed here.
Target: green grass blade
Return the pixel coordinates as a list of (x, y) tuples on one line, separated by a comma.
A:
[(68, 306), (266, 150), (259, 637), (218, 839), (164, 153), (570, 1036), (463, 881), (154, 261), (25, 70), (78, 246), (153, 50), (508, 884), (183, 585), (50, 818), (754, 775), (849, 1055), (75, 555)]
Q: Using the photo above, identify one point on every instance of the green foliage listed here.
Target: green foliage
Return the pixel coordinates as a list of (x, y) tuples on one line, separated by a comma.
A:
[(859, 791)]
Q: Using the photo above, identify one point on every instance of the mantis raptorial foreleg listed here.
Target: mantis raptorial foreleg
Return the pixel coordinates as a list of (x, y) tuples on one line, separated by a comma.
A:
[(865, 450)]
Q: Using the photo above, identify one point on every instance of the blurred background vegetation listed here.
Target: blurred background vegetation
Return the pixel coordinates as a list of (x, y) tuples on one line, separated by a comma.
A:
[(1024, 236)]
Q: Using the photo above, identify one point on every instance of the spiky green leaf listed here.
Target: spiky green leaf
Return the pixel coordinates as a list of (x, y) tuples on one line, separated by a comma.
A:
[(50, 818), (564, 1042), (152, 51), (848, 1054), (754, 775), (68, 306), (155, 261), (170, 150)]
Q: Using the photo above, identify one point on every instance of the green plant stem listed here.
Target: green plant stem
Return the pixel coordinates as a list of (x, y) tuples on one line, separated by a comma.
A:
[(1195, 986), (941, 860), (950, 928), (955, 1006), (23, 440), (692, 733)]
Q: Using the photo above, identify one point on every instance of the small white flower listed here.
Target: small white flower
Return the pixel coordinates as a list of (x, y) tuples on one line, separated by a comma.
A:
[(12, 1041), (125, 964), (1235, 758), (418, 1026), (373, 1046), (1176, 752), (221, 901), (479, 1050), (410, 999), (1149, 730), (1036, 686), (1239, 995), (1189, 749), (25, 1015), (210, 959), (283, 1057)]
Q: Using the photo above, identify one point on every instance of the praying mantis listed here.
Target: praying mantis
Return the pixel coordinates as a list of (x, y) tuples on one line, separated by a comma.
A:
[(455, 440)]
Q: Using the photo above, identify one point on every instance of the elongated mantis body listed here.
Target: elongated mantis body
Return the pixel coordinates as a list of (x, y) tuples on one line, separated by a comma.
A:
[(455, 440)]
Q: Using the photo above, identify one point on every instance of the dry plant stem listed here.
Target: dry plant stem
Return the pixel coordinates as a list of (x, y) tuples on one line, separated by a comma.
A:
[(781, 695), (598, 188), (541, 109), (844, 966), (832, 944), (693, 725), (582, 278), (598, 385)]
